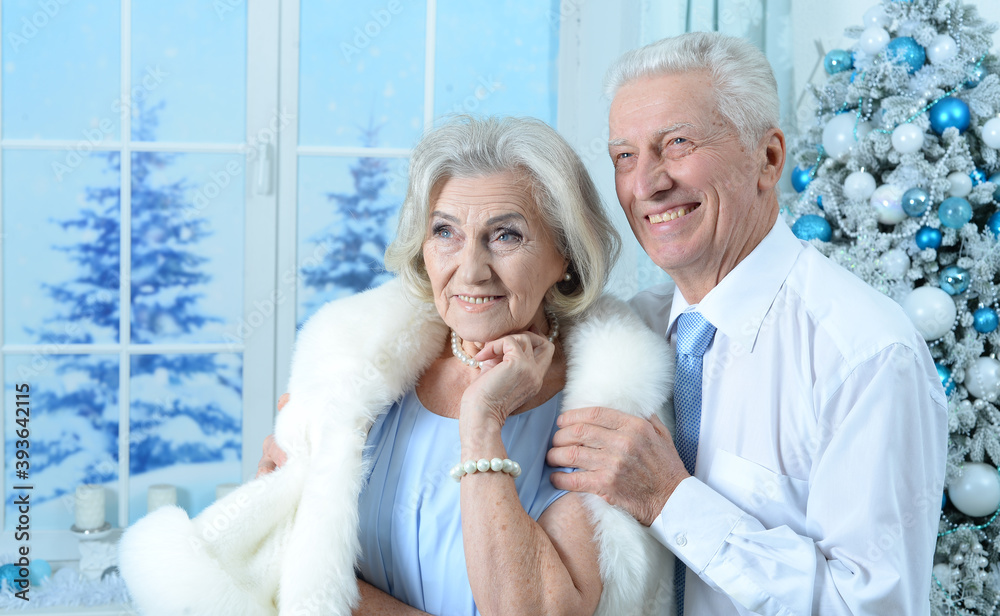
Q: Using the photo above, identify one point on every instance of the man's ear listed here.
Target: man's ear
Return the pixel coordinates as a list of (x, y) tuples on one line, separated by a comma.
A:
[(774, 159)]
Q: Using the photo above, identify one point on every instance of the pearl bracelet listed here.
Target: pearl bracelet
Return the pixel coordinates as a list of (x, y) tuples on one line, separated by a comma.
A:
[(483, 465)]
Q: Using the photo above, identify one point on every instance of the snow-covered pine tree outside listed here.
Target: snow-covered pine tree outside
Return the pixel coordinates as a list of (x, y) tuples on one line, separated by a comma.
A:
[(75, 440), (898, 180), (353, 243)]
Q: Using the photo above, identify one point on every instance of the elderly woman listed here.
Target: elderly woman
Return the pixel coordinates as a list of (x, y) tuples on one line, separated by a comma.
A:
[(456, 371)]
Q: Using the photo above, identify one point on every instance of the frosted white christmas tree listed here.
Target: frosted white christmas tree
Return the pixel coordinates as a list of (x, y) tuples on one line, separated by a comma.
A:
[(899, 181)]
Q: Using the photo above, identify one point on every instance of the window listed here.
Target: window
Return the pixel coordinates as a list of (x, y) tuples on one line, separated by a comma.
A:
[(367, 80), (152, 283)]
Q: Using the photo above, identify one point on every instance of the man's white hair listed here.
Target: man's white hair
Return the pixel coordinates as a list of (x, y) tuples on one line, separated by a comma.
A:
[(746, 92)]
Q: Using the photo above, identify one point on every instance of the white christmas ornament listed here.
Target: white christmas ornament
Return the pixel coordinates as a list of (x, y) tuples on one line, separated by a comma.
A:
[(838, 135), (895, 263), (888, 203), (944, 575), (941, 49), (907, 139), (875, 17), (982, 378), (977, 492), (931, 310), (961, 184), (859, 185), (873, 39), (991, 133)]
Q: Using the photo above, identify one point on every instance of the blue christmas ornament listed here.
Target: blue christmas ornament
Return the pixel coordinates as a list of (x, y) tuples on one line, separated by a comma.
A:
[(948, 112), (837, 60), (945, 375), (907, 51), (801, 177), (978, 176), (954, 279), (928, 237), (819, 201), (811, 227), (39, 570), (954, 212), (916, 202), (8, 573), (985, 320), (976, 74), (993, 224), (995, 178)]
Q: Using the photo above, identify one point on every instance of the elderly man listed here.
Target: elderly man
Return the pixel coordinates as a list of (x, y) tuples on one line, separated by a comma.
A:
[(807, 466)]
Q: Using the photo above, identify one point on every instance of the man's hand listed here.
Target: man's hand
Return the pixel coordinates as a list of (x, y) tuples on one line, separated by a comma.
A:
[(273, 456), (628, 461)]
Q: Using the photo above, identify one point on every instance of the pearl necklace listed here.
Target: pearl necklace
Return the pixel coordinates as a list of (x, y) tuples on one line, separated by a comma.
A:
[(457, 351)]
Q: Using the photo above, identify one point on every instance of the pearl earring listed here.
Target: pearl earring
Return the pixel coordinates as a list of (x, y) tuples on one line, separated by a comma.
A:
[(567, 277)]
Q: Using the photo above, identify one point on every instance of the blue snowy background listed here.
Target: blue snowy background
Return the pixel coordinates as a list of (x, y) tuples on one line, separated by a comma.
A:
[(61, 250)]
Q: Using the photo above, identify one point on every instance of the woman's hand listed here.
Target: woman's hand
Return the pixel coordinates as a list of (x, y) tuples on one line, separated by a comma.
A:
[(274, 457), (512, 373)]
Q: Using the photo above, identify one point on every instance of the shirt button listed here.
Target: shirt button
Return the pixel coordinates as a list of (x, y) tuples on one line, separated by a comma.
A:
[(681, 540)]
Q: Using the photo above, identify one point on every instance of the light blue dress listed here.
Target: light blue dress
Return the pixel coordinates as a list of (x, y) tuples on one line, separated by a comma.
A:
[(410, 516)]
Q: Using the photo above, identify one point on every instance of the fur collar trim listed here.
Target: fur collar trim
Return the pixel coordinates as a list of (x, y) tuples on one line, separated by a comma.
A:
[(286, 543)]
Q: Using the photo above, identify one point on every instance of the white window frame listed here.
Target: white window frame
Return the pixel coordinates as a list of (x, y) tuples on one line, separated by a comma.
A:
[(591, 36), (258, 319), (290, 150)]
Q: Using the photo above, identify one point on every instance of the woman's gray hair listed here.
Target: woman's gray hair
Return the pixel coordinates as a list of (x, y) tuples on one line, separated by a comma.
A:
[(467, 147), (746, 92)]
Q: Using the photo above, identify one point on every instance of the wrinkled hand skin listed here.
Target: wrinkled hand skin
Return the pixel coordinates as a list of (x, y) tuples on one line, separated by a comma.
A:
[(628, 461), (513, 370)]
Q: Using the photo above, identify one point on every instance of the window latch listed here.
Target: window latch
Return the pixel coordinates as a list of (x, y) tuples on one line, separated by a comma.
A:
[(265, 164)]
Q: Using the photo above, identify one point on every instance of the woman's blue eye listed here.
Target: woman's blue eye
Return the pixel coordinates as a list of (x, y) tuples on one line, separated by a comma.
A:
[(442, 231), (507, 235)]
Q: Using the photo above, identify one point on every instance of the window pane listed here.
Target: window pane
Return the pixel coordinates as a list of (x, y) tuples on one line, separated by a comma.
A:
[(189, 56), (513, 68), (185, 427), (347, 217), (361, 64), (187, 246), (73, 430), (61, 70), (62, 247)]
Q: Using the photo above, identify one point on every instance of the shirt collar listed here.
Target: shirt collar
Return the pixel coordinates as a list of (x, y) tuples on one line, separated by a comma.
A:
[(738, 304)]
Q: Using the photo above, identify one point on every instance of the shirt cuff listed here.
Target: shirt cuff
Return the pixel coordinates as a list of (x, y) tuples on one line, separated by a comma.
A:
[(695, 523)]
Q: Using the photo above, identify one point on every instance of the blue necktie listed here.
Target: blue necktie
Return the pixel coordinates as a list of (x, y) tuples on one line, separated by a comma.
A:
[(694, 335)]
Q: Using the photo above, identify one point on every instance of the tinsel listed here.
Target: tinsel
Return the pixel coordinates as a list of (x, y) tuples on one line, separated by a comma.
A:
[(67, 588), (966, 579)]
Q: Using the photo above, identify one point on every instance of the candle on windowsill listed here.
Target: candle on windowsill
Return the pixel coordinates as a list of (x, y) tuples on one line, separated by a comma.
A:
[(89, 507), (160, 495)]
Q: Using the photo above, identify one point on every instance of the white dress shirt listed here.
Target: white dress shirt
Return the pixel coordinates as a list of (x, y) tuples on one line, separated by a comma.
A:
[(821, 457)]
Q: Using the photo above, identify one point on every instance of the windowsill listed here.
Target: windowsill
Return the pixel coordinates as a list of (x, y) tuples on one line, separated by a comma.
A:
[(112, 609)]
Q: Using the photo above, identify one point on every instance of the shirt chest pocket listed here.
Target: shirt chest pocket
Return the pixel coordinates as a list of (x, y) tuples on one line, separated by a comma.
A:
[(774, 499)]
